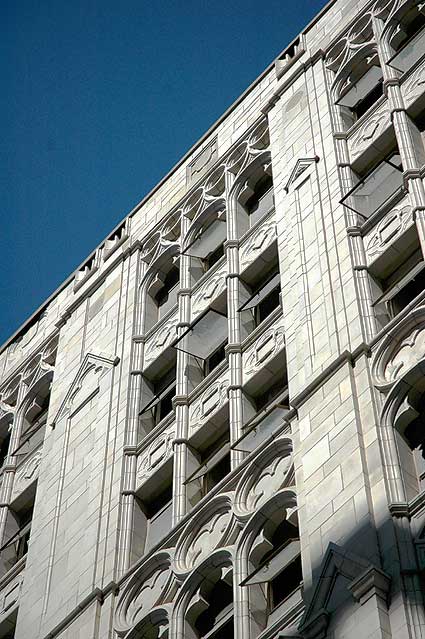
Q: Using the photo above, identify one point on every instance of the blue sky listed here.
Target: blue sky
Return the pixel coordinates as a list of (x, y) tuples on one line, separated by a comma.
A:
[(99, 100)]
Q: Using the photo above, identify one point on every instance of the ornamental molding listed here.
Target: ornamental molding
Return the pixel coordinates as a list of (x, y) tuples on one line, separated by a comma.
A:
[(157, 453), (214, 527), (160, 339), (152, 586), (208, 291), (254, 148), (27, 472), (85, 384), (301, 165), (414, 85), (400, 350), (211, 400), (392, 226), (374, 126), (265, 347), (271, 471), (257, 242)]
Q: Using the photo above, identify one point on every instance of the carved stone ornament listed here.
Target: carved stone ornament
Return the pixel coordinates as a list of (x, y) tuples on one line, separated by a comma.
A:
[(208, 197), (389, 229), (166, 235), (157, 453), (208, 403), (202, 297), (414, 86), (370, 131), (256, 243), (85, 384), (400, 350), (271, 471), (266, 346), (151, 586), (27, 472), (254, 147), (214, 527), (202, 161), (159, 340)]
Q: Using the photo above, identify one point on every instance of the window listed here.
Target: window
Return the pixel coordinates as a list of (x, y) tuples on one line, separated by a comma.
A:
[(205, 340), (399, 284), (162, 293), (408, 40), (208, 247), (216, 622), (157, 397), (166, 297), (34, 426), (214, 465), (153, 512), (262, 199), (265, 299), (255, 199), (377, 188), (280, 569), (363, 91), (17, 533)]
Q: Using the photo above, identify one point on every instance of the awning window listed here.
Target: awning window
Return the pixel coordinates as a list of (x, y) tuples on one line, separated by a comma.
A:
[(278, 562), (207, 240), (398, 286), (152, 402), (262, 293), (263, 425), (412, 51), (361, 88), (22, 449), (209, 463), (376, 187), (205, 336)]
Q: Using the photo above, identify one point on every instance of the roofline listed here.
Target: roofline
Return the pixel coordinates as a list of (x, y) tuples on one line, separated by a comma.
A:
[(229, 110)]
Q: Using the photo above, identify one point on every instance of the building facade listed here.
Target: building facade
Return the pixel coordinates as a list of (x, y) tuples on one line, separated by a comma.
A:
[(215, 427)]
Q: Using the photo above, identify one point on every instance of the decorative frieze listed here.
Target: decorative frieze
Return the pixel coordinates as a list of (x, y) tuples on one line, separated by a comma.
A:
[(257, 242), (211, 400), (391, 227), (375, 125), (208, 291), (27, 472), (160, 339), (264, 348), (156, 454)]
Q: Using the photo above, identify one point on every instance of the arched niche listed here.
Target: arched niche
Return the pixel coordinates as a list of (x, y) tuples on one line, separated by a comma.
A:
[(403, 434), (204, 606), (268, 561)]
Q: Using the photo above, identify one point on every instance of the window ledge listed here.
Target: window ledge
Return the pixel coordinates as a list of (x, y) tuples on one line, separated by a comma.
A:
[(261, 328)]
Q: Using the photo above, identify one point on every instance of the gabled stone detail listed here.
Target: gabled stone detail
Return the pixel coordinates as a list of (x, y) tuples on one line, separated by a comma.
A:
[(92, 368), (301, 165)]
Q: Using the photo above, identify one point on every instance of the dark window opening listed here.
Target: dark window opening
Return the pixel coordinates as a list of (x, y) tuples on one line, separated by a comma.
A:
[(368, 101), (410, 29), (217, 473), (262, 200), (268, 305), (407, 294), (4, 448), (220, 602), (213, 258), (157, 503), (269, 394), (285, 583), (215, 359), (171, 281)]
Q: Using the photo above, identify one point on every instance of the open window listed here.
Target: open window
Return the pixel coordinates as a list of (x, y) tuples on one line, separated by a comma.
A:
[(157, 396), (408, 40), (205, 340), (210, 613), (153, 511), (361, 91), (378, 188), (397, 279), (279, 569), (212, 464), (265, 298), (17, 530), (162, 293), (256, 198), (34, 423), (207, 248)]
